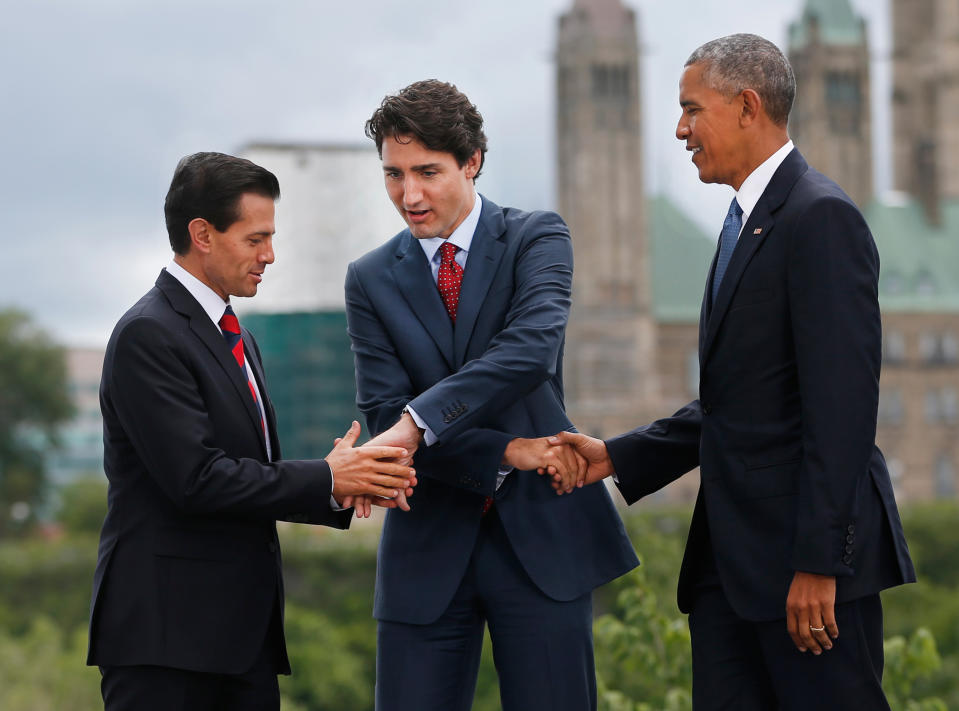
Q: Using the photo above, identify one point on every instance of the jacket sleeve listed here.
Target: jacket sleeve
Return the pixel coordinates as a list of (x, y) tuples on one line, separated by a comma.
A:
[(525, 352), (833, 274), (650, 457), (384, 388), (157, 399)]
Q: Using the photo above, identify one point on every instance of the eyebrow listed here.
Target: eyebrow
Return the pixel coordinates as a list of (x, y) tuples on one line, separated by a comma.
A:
[(416, 168)]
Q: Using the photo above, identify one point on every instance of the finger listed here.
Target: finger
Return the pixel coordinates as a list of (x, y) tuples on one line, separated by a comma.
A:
[(337, 441), (792, 626), (829, 619), (383, 451), (582, 466), (383, 503), (818, 632), (393, 470), (805, 634), (401, 501), (347, 502), (367, 507), (352, 434)]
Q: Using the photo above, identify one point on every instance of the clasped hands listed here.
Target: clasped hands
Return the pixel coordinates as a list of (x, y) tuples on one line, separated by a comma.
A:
[(379, 472)]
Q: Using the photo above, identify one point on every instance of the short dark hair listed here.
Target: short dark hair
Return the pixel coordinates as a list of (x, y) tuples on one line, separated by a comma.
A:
[(435, 113), (210, 185), (737, 62)]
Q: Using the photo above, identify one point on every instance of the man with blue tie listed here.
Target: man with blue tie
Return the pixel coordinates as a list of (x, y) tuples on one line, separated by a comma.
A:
[(188, 592), (457, 325), (795, 529)]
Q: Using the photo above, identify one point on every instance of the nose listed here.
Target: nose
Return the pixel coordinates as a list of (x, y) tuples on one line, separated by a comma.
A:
[(267, 256), (682, 128), (412, 191)]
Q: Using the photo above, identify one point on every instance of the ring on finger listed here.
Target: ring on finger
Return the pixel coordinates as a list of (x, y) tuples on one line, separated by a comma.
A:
[(817, 629)]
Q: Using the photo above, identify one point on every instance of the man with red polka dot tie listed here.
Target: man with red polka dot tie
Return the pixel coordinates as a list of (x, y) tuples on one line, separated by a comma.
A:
[(457, 325)]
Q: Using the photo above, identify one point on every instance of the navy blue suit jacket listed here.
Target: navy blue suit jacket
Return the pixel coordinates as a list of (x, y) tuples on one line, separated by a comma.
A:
[(784, 428), (188, 572), (496, 375)]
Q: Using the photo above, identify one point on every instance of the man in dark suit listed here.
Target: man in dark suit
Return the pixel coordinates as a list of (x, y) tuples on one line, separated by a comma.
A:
[(457, 325), (795, 529), (188, 596)]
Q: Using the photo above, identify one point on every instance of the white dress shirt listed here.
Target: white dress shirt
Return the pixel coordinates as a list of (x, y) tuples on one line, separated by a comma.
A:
[(755, 185), (215, 307)]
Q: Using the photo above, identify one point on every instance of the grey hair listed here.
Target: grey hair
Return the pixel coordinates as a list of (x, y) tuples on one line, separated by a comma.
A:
[(744, 61)]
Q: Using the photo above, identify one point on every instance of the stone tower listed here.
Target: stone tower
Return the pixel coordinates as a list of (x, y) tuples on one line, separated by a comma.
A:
[(831, 121), (610, 370), (925, 101)]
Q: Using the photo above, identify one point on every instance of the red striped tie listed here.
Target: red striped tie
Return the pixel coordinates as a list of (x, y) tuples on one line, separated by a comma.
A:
[(234, 339)]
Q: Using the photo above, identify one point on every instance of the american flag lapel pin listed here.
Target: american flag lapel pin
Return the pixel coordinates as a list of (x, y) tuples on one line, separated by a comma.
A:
[(758, 231)]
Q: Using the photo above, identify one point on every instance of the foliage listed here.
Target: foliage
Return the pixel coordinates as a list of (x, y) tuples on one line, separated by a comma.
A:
[(34, 400), (42, 670), (83, 505), (641, 639), (906, 662)]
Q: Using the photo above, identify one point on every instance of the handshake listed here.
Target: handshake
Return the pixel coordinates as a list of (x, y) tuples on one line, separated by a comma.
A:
[(379, 473)]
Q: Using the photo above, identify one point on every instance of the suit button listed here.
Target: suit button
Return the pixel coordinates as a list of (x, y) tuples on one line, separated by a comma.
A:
[(850, 538), (848, 549), (447, 419), (850, 529), (707, 409), (847, 559)]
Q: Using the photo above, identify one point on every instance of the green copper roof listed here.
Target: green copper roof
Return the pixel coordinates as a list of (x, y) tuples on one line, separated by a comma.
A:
[(838, 24), (680, 255), (919, 262)]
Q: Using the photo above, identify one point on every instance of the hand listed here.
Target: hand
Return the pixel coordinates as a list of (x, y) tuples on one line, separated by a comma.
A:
[(598, 464), (404, 434), (812, 603), (363, 505), (568, 467), (367, 470)]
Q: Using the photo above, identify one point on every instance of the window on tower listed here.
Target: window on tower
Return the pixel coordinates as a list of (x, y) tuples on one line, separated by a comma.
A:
[(843, 102)]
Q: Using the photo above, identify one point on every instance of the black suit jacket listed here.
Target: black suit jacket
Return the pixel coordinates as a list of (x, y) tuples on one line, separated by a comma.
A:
[(188, 571), (784, 428)]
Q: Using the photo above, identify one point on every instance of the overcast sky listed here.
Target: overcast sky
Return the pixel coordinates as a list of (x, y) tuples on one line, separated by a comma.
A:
[(100, 98)]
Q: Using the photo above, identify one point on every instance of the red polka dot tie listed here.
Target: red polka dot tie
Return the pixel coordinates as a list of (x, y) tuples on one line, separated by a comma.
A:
[(234, 339), (449, 278)]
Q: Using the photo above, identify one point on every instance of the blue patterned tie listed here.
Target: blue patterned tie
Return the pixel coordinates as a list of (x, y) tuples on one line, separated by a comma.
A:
[(727, 243)]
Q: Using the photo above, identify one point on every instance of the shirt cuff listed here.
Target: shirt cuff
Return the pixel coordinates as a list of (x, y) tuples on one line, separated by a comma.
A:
[(428, 437), (333, 505)]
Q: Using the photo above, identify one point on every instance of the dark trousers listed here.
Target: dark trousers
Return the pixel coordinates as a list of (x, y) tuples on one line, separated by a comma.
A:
[(153, 688), (754, 666), (542, 649)]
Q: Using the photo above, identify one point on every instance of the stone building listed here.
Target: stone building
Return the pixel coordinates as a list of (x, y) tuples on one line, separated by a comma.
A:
[(831, 121), (610, 361), (925, 101)]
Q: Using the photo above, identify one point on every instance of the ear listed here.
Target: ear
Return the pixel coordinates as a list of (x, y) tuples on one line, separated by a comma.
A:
[(752, 107), (473, 164), (200, 234)]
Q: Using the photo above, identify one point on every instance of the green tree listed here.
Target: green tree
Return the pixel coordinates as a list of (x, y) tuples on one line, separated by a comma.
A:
[(34, 401), (83, 504)]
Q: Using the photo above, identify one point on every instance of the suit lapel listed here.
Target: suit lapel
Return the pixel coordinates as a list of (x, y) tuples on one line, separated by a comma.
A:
[(486, 251), (755, 231), (183, 303), (415, 282)]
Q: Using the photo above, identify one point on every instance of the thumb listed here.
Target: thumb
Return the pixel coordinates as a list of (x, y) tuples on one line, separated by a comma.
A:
[(349, 439)]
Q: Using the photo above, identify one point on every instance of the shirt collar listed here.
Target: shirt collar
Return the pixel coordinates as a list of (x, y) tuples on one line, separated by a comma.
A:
[(209, 300), (755, 185), (462, 236)]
